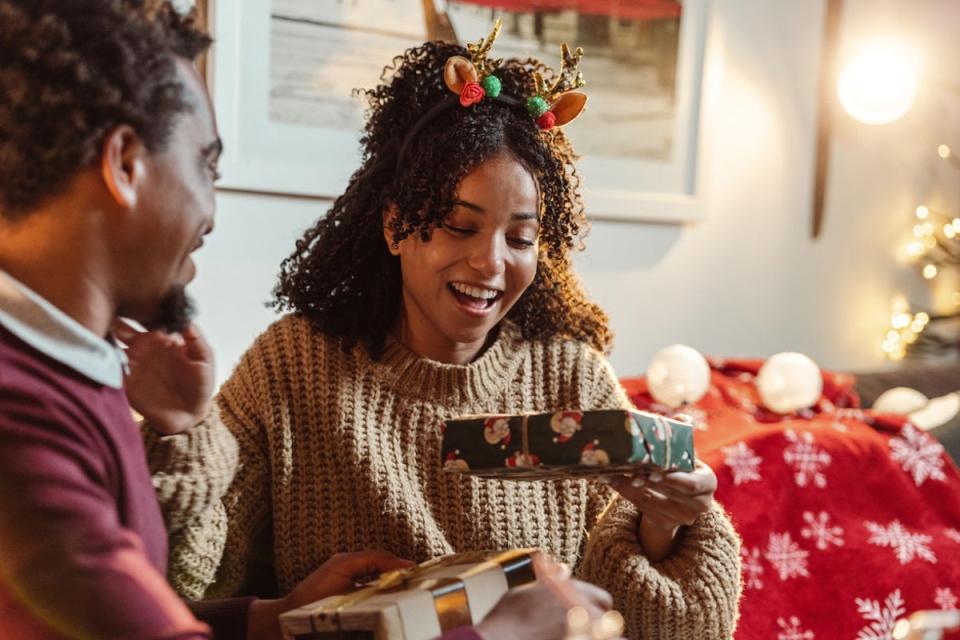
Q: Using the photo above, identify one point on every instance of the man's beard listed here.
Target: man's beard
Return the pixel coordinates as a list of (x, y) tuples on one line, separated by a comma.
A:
[(174, 312)]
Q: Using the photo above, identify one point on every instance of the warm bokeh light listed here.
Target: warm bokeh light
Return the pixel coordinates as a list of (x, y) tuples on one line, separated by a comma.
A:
[(878, 86), (905, 329), (922, 212), (930, 271), (943, 151), (915, 249)]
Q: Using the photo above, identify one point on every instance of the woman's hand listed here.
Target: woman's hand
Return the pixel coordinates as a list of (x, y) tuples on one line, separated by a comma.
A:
[(667, 502), (171, 376)]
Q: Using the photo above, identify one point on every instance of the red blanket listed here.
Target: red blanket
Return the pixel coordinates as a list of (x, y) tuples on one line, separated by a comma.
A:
[(850, 519)]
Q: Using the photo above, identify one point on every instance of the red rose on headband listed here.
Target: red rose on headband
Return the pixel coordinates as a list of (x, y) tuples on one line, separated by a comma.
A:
[(472, 93), (547, 120)]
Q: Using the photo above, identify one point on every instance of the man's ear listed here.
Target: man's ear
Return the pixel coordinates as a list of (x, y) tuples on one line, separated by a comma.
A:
[(123, 166), (389, 215)]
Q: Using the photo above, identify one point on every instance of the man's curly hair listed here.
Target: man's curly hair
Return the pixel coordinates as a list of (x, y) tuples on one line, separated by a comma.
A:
[(71, 71), (342, 276)]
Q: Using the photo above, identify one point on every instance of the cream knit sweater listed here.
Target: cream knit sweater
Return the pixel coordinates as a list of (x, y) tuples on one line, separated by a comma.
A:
[(336, 452)]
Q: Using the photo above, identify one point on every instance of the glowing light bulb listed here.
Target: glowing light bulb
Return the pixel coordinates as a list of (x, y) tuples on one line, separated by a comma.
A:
[(879, 85), (949, 231), (900, 320), (922, 212), (943, 151), (930, 271), (915, 249)]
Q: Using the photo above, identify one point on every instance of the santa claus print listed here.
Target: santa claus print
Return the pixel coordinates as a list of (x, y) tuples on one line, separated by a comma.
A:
[(522, 460), (496, 430), (565, 424), (454, 464), (594, 457)]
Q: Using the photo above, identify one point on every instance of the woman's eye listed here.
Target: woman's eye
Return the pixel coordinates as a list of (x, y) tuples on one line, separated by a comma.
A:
[(457, 230), (521, 242)]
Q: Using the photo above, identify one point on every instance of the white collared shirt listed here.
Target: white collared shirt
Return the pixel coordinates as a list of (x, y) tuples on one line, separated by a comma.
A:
[(40, 324)]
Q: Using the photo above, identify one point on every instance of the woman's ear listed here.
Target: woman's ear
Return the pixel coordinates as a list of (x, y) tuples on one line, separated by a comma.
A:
[(389, 215)]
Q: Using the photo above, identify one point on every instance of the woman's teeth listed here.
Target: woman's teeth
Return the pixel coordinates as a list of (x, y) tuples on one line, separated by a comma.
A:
[(474, 292)]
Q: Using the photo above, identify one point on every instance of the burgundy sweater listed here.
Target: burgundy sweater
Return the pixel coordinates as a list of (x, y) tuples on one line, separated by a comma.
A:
[(83, 549)]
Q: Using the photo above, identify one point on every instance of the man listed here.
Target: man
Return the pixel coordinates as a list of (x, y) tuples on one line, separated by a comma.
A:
[(108, 155)]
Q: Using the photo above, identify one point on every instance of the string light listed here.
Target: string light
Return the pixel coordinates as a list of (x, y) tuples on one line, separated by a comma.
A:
[(922, 212), (905, 330), (930, 271), (943, 151)]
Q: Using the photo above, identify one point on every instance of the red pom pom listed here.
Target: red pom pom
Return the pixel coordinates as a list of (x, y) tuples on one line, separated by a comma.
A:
[(471, 93), (547, 120)]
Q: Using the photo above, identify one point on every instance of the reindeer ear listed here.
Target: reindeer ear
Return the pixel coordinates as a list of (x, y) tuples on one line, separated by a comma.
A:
[(568, 106), (457, 72)]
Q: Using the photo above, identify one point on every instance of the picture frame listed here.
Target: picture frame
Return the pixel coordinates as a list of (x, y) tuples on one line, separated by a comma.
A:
[(265, 156)]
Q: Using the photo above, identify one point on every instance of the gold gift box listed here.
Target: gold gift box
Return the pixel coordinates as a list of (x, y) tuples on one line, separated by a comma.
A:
[(420, 603)]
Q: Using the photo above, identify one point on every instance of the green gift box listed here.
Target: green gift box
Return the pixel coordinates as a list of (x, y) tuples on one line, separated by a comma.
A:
[(566, 443)]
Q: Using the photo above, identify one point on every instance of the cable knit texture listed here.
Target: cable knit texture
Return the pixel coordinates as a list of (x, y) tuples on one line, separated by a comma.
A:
[(335, 452)]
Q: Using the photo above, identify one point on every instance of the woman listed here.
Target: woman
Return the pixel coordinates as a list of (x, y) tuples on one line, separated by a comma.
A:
[(439, 284)]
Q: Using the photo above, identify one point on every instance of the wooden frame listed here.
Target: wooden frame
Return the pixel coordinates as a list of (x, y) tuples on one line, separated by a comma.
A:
[(269, 157)]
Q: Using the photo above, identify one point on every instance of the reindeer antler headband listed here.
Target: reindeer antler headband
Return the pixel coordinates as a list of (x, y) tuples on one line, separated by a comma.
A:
[(473, 80)]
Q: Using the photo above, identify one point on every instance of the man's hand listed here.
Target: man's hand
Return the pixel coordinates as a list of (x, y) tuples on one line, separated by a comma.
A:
[(341, 573), (337, 575), (171, 376), (667, 501), (539, 611)]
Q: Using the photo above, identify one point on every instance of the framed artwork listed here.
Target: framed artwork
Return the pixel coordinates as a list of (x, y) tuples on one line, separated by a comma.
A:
[(282, 74)]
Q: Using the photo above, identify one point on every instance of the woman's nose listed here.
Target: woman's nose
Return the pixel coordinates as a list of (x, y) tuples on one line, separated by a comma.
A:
[(487, 256)]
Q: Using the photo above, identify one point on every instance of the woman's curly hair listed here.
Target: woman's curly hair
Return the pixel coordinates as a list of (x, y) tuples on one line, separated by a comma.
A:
[(71, 72), (342, 277)]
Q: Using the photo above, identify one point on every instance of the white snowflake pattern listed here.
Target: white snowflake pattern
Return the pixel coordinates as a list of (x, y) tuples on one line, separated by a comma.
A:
[(920, 455), (905, 544), (790, 630), (786, 556), (881, 619), (945, 599), (953, 534), (743, 462), (752, 568), (821, 531), (806, 458)]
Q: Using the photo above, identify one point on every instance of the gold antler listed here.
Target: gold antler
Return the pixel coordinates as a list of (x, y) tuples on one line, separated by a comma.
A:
[(478, 52), (570, 76)]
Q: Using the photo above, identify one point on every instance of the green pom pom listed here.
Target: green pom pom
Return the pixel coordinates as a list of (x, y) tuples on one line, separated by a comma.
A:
[(491, 85), (537, 106)]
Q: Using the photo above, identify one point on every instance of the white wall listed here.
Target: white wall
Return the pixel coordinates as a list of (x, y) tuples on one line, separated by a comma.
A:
[(747, 280)]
